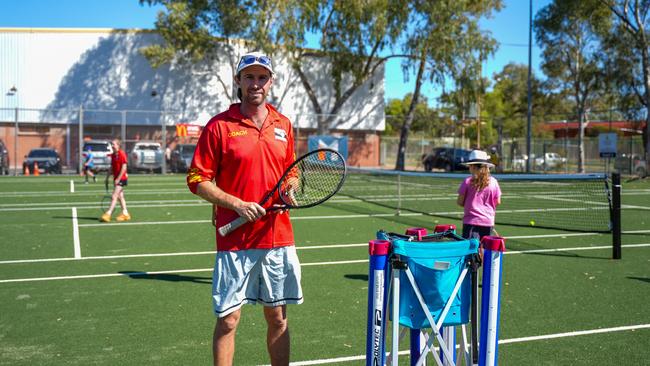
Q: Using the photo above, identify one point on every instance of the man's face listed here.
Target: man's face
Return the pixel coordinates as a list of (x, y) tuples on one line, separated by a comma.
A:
[(255, 82), (115, 145)]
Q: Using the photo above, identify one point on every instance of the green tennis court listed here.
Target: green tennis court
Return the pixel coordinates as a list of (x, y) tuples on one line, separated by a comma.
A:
[(78, 292)]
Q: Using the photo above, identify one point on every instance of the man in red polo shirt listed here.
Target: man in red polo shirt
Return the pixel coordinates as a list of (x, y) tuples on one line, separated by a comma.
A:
[(240, 156), (120, 180)]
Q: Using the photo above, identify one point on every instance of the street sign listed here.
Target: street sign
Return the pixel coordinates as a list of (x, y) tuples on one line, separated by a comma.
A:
[(607, 145)]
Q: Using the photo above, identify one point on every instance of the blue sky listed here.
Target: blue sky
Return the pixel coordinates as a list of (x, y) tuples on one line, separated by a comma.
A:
[(509, 27)]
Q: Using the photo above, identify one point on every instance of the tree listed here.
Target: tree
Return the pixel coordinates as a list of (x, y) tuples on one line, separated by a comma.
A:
[(568, 33), (507, 102), (630, 41), (353, 34), (444, 40), (425, 119)]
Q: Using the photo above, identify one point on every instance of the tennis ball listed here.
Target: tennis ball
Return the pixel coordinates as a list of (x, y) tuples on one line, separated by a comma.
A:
[(532, 222)]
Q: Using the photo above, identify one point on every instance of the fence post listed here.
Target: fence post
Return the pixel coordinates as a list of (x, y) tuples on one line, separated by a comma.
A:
[(67, 144), (164, 142), (16, 142), (81, 139), (124, 129)]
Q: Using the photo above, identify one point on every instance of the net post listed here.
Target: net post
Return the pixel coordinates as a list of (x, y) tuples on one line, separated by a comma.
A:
[(616, 215)]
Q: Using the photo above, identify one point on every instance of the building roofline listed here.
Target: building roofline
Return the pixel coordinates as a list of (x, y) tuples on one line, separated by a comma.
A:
[(74, 30)]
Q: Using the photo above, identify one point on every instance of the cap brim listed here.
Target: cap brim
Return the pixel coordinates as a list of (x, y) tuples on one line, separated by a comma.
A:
[(479, 163), (256, 64)]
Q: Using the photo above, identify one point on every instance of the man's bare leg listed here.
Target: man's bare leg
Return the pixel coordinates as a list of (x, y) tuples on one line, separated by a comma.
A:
[(277, 336), (223, 340)]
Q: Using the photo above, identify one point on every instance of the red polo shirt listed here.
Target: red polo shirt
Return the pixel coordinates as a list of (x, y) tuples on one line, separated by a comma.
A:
[(246, 162)]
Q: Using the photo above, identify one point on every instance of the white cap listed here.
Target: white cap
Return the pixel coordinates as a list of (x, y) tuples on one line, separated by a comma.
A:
[(255, 58), (479, 157)]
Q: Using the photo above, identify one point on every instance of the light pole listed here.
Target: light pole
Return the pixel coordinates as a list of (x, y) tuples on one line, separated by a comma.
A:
[(529, 123)]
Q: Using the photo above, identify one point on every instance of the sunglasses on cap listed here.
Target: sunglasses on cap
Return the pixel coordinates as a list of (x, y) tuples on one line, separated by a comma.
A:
[(247, 60)]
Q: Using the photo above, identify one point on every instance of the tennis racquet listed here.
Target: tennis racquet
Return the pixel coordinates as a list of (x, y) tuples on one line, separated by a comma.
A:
[(309, 181), (106, 200)]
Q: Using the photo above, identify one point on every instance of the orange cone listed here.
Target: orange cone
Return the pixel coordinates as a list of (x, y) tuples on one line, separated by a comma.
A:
[(26, 171), (36, 172)]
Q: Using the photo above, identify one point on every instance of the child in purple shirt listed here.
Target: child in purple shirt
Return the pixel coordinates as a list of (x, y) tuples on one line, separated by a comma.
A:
[(479, 195)]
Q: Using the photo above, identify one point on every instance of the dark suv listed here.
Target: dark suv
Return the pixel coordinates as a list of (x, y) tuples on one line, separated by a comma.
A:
[(48, 160), (4, 159), (631, 164), (181, 158), (446, 158)]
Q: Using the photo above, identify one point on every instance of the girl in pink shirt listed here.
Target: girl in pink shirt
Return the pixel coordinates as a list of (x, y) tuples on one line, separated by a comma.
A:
[(479, 195)]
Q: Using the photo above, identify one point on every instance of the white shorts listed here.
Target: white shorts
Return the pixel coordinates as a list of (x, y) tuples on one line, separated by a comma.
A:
[(268, 276)]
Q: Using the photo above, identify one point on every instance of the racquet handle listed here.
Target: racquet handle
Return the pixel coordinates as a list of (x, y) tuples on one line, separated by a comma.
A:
[(231, 226)]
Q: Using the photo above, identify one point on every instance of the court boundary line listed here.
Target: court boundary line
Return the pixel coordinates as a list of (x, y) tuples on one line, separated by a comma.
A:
[(76, 243), (502, 341), (311, 247), (117, 274)]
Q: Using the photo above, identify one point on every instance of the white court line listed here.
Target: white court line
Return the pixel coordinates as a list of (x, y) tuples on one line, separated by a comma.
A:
[(102, 275), (71, 186), (635, 207), (502, 341), (47, 205), (92, 205), (204, 221), (124, 256), (75, 234), (532, 251)]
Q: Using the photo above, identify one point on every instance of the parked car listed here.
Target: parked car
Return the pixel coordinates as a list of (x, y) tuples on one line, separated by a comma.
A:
[(146, 156), (181, 158), (519, 163), (48, 160), (445, 158), (4, 159), (550, 160), (101, 150), (631, 164)]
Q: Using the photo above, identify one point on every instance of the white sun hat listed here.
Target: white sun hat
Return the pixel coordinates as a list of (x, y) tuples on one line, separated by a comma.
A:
[(478, 157), (255, 58)]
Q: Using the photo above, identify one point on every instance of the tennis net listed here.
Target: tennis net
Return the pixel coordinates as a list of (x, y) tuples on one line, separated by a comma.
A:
[(575, 202)]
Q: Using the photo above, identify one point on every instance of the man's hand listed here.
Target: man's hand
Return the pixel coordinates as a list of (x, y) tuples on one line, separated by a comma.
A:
[(251, 211), (289, 191)]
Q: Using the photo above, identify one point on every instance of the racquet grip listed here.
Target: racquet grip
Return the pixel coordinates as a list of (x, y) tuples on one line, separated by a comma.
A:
[(231, 226)]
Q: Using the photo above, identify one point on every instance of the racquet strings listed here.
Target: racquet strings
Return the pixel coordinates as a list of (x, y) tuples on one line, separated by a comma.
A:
[(313, 179)]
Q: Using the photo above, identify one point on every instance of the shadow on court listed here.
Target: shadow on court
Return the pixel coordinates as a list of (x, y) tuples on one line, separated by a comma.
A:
[(568, 255), (86, 218), (642, 279), (360, 277), (171, 277)]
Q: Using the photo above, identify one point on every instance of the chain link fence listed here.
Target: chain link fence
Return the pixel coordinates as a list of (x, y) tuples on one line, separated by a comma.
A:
[(66, 129), (513, 154)]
